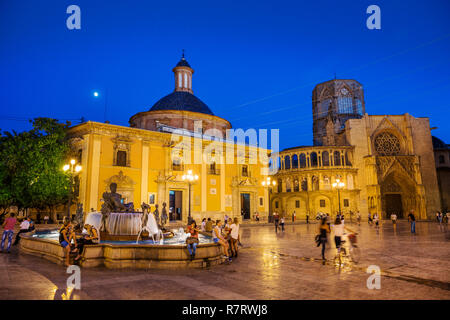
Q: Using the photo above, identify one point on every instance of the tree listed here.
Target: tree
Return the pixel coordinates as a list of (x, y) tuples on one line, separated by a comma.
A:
[(31, 163)]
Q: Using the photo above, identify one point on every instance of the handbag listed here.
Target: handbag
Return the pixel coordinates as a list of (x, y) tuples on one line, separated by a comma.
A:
[(191, 240)]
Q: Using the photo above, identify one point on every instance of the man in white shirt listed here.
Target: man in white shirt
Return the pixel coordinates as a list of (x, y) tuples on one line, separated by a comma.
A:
[(234, 237), (24, 226)]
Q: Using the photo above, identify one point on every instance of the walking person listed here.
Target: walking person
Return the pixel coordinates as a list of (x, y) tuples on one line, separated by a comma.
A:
[(394, 220), (276, 218), (376, 220), (369, 219), (293, 216), (307, 217), (412, 220), (282, 223), (8, 231), (235, 237), (24, 226), (324, 229), (358, 217)]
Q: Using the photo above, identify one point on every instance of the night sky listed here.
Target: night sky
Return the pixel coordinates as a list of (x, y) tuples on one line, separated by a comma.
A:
[(256, 62)]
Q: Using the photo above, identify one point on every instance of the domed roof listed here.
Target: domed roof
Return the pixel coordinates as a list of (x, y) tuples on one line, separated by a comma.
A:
[(181, 100), (183, 63)]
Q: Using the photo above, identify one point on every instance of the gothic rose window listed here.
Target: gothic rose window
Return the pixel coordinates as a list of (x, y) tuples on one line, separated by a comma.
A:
[(386, 144)]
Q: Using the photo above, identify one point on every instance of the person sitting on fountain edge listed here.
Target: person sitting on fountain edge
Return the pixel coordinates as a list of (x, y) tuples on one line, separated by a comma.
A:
[(218, 238), (192, 240), (66, 235), (90, 238)]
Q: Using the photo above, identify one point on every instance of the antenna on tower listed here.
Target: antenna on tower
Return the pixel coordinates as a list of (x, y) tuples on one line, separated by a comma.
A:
[(182, 55)]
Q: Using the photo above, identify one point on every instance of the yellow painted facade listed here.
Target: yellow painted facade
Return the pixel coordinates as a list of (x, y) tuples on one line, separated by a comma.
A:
[(140, 161)]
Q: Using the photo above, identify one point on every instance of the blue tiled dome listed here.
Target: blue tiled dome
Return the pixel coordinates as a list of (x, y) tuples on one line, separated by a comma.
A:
[(181, 100)]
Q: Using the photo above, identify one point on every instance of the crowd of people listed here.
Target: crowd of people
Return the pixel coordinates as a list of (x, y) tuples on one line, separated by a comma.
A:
[(225, 233)]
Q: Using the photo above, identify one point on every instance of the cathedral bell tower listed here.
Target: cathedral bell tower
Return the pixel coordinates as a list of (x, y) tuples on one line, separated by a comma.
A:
[(183, 76), (334, 102)]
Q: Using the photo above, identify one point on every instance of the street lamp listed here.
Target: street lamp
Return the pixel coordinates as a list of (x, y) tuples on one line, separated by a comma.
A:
[(338, 185), (269, 183), (190, 179), (73, 169)]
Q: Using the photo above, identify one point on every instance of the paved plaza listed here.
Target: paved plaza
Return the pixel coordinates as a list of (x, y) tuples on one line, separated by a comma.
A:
[(286, 265)]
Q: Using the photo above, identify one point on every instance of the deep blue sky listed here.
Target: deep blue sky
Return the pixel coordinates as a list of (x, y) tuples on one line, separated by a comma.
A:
[(256, 62)]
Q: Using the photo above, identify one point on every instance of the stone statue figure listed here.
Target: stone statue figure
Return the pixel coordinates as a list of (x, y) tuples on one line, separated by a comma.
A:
[(164, 216), (156, 213), (145, 210), (111, 203), (79, 215)]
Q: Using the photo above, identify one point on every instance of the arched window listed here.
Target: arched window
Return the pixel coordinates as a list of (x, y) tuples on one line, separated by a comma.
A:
[(337, 158), (386, 144), (347, 160), (296, 185), (441, 159), (294, 161), (315, 183), (313, 158), (302, 160), (350, 182), (287, 162), (304, 184), (280, 185), (323, 108), (325, 159), (288, 185)]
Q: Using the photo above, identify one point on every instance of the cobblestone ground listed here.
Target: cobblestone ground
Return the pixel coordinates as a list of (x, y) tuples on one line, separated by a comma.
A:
[(285, 265)]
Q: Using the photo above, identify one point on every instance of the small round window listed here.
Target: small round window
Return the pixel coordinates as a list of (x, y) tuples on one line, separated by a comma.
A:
[(386, 144)]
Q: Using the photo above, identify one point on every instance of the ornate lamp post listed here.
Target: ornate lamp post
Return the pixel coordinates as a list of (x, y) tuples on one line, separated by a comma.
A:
[(73, 169), (269, 183), (338, 185), (190, 179)]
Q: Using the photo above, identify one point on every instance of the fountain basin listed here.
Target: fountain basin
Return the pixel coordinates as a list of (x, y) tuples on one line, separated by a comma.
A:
[(126, 255)]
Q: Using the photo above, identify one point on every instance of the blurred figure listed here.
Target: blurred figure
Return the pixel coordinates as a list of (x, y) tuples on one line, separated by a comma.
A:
[(276, 219), (358, 217), (394, 220), (307, 217), (369, 219), (324, 229), (282, 223), (412, 220), (235, 237), (8, 231)]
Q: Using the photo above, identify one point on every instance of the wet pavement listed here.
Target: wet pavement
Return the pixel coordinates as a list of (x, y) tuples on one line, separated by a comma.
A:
[(286, 265)]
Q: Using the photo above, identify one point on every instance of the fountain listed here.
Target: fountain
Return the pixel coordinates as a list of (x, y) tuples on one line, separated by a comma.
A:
[(127, 240)]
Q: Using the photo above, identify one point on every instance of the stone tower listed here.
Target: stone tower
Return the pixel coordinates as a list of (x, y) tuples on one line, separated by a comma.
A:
[(334, 102), (183, 76)]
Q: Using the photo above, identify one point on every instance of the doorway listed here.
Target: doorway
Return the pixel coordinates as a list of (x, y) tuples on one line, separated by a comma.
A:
[(175, 205), (394, 205), (245, 205)]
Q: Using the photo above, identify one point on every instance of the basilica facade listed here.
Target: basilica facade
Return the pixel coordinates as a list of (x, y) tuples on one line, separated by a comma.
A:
[(149, 161), (385, 163)]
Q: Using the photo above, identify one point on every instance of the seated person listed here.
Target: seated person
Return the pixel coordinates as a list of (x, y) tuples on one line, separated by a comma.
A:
[(91, 237), (209, 225), (24, 226), (218, 238), (66, 235)]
